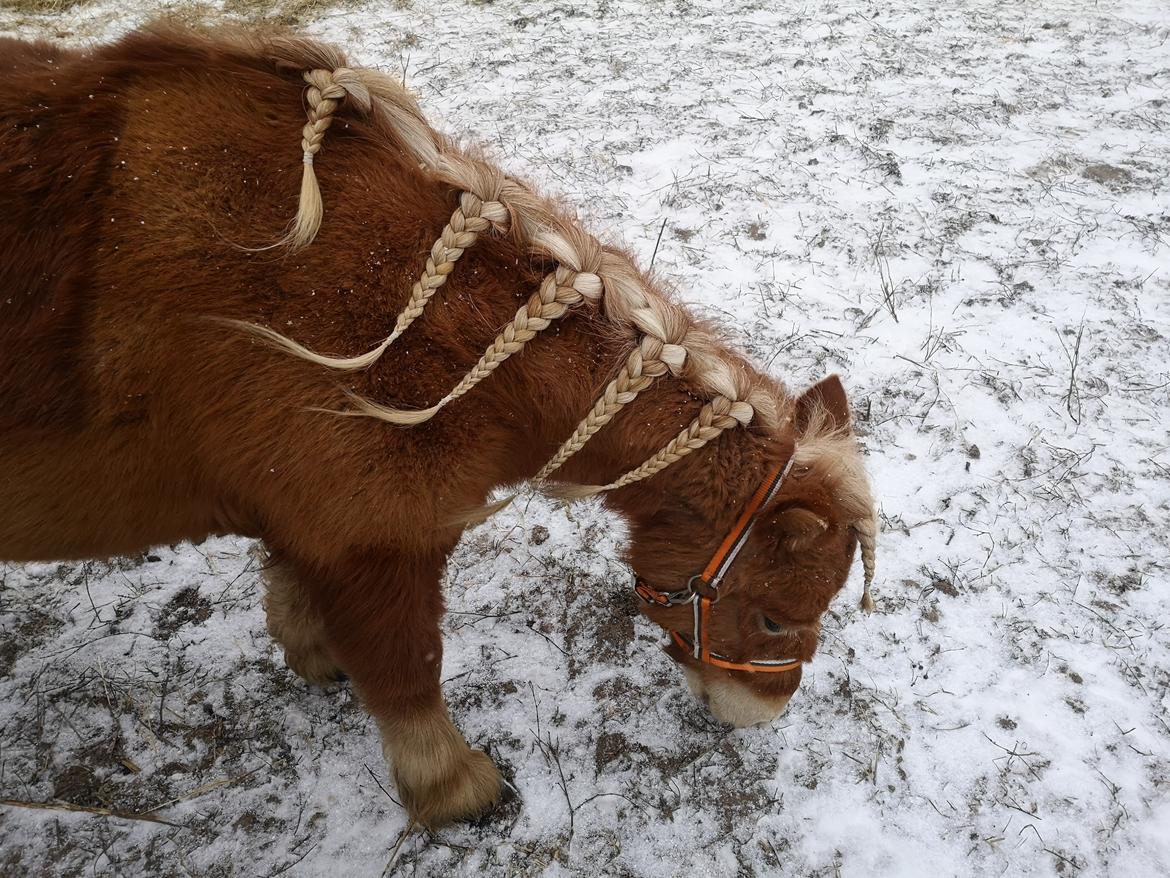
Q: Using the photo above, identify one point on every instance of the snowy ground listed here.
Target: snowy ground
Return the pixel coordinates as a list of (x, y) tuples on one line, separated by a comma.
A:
[(963, 208)]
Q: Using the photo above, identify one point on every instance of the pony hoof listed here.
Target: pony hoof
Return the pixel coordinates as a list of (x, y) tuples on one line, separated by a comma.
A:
[(314, 667), (468, 789)]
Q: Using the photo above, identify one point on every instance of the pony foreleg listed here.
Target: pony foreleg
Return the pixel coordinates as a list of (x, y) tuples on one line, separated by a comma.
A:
[(381, 614)]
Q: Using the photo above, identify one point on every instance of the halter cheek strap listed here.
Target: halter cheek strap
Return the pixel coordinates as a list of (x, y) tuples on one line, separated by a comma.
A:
[(702, 590), (725, 555)]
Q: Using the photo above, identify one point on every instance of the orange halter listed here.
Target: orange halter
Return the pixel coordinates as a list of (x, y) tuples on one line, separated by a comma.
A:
[(702, 589)]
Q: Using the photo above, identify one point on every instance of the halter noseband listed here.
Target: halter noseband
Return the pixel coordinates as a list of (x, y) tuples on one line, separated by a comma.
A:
[(702, 589)]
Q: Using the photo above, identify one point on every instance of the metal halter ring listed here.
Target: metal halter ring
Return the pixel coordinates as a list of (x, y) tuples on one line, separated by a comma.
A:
[(697, 586)]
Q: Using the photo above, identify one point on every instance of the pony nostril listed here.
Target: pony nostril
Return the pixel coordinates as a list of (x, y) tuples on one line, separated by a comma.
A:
[(773, 627)]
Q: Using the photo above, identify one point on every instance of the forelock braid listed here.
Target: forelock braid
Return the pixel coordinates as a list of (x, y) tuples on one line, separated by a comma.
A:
[(867, 530), (559, 291), (716, 416)]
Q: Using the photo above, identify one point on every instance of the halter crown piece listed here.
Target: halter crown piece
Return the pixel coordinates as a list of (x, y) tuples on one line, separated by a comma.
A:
[(702, 589)]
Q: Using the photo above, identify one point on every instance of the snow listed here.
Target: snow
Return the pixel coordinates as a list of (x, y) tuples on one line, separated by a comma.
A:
[(964, 209)]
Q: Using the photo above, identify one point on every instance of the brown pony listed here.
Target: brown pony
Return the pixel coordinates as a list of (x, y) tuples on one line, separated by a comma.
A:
[(168, 372)]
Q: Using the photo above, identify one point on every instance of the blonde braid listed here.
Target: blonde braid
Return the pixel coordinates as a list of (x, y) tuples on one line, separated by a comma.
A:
[(471, 217), (716, 416), (644, 364), (867, 530), (558, 292), (323, 96)]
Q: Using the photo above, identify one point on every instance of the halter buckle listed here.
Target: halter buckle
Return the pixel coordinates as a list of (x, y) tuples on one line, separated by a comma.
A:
[(649, 594)]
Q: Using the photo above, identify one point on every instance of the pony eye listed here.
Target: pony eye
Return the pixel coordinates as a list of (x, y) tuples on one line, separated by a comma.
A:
[(772, 626)]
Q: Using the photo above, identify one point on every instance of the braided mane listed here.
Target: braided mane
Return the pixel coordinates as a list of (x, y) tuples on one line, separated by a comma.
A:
[(665, 338)]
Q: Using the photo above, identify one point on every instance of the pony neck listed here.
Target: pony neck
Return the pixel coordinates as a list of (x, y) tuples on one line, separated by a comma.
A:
[(710, 484)]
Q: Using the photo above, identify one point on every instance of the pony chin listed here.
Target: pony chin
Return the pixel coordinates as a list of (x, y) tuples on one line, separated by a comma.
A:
[(732, 703)]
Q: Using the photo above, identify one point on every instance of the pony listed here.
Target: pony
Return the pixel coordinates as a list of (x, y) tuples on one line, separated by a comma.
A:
[(191, 345)]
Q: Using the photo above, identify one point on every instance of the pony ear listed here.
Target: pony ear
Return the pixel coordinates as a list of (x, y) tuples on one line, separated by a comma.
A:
[(799, 526), (828, 397)]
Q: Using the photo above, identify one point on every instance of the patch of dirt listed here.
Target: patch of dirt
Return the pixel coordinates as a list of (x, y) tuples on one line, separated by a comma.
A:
[(945, 586), (78, 785), (610, 747), (603, 634), (34, 628), (756, 231), (187, 607), (1108, 175)]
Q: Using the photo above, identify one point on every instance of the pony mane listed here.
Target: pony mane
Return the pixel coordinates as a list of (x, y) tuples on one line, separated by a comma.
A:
[(665, 338)]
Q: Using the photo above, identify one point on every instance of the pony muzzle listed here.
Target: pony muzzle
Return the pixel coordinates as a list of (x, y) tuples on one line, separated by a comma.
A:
[(733, 703)]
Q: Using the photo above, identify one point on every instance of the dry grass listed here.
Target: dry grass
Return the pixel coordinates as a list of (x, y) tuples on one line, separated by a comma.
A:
[(291, 13), (42, 7)]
